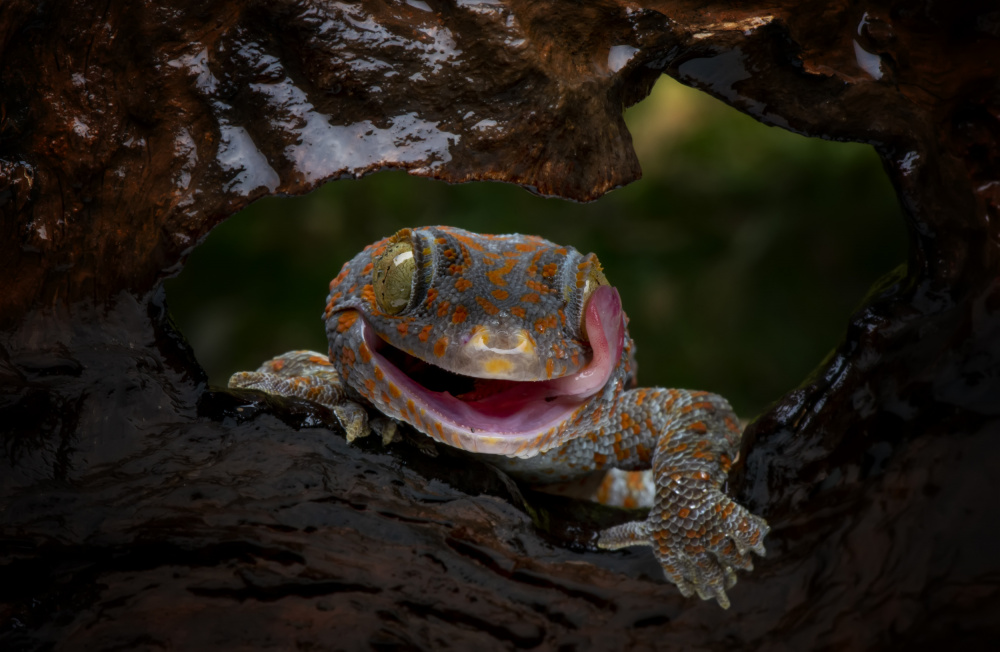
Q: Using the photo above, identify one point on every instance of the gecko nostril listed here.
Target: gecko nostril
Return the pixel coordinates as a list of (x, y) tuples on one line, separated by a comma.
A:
[(502, 341)]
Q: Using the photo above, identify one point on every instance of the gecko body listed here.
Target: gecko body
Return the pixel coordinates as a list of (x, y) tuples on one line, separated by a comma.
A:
[(515, 348)]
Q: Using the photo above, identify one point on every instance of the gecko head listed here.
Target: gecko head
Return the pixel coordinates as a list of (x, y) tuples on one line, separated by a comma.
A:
[(485, 342)]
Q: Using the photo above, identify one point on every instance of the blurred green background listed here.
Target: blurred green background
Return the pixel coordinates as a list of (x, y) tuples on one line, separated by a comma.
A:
[(739, 256)]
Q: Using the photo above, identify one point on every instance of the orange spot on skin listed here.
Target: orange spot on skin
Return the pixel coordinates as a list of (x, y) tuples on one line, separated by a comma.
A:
[(518, 312), (368, 269), (440, 430), (640, 396), (531, 297), (463, 284), (278, 365), (496, 276), (599, 459), (526, 247), (432, 294), (440, 347), (346, 320), (368, 294), (347, 357), (378, 374), (544, 323), (549, 367), (541, 288), (544, 439), (466, 240), (443, 308), (459, 315), (386, 399), (394, 391), (620, 453), (549, 270), (411, 407), (370, 385), (575, 358), (425, 332), (562, 251), (402, 328), (500, 295), (364, 353), (596, 416), (488, 306), (340, 277)]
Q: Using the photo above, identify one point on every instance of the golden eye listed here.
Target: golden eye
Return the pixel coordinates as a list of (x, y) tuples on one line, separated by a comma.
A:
[(392, 277), (595, 279)]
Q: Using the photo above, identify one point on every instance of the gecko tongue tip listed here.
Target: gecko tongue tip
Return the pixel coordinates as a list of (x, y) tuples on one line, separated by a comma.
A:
[(604, 319), (605, 326)]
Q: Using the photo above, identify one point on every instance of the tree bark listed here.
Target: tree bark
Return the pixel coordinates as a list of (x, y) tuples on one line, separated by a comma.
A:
[(140, 508)]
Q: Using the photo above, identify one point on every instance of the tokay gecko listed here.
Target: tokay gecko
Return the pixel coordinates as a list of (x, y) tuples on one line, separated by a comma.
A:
[(515, 348)]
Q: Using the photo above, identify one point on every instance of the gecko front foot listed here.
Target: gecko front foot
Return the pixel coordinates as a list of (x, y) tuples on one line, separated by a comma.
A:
[(699, 536), (310, 376)]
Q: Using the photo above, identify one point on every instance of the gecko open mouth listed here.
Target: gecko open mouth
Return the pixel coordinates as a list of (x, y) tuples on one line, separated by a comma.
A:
[(486, 407), (438, 379)]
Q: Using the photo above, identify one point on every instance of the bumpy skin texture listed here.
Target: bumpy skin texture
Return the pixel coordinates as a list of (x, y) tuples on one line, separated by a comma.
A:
[(515, 348)]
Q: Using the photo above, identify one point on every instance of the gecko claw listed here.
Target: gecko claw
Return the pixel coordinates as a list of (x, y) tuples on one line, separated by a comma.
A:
[(387, 428), (354, 419)]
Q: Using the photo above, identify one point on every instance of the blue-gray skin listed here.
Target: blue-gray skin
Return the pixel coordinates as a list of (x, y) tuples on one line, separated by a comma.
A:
[(516, 348)]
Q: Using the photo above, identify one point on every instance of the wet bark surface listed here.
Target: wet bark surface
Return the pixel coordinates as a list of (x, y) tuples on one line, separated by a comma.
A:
[(142, 509)]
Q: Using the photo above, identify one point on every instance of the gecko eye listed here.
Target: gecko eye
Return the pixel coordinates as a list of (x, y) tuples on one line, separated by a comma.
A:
[(595, 279), (392, 277)]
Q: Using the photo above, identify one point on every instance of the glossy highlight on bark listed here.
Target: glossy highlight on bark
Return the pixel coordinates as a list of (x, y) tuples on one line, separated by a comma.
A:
[(138, 507)]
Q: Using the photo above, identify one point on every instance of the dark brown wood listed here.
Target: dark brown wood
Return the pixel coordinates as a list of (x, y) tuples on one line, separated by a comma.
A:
[(138, 508)]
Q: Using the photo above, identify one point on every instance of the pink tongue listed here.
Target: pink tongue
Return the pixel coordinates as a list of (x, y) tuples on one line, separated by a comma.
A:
[(605, 326)]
